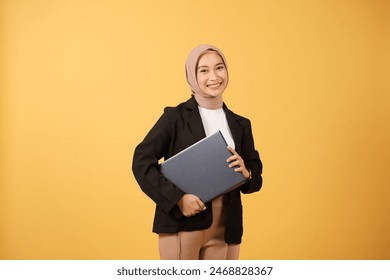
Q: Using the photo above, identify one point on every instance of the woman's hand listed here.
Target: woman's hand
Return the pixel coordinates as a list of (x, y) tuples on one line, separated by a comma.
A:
[(190, 205), (237, 163)]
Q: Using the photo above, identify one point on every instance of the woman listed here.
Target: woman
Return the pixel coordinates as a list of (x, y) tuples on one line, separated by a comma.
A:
[(188, 228)]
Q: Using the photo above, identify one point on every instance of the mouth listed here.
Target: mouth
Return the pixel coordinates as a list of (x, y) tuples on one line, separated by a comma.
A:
[(214, 86)]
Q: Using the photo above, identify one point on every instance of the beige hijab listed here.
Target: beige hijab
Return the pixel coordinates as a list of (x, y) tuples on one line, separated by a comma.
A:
[(192, 64)]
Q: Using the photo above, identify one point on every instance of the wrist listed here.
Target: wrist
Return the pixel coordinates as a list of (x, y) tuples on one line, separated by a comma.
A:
[(249, 175)]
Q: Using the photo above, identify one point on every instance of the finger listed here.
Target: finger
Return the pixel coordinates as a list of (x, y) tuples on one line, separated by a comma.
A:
[(201, 204), (235, 163), (233, 157), (198, 204), (239, 169), (187, 214), (232, 150)]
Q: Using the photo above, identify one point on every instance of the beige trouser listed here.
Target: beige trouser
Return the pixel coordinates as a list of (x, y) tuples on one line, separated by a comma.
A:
[(208, 244)]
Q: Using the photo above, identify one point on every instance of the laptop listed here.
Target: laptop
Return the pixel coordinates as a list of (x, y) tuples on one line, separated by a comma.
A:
[(202, 170)]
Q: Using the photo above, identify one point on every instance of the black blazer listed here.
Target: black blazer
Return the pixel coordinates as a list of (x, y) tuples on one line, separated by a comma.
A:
[(178, 128)]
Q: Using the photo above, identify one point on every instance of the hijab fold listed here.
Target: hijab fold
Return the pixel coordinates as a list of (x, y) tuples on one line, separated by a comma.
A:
[(192, 64)]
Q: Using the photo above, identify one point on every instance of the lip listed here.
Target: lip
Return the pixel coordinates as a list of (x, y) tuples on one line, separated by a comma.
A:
[(215, 85)]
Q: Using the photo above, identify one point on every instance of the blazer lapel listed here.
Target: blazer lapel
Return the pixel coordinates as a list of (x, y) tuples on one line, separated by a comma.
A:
[(193, 119), (235, 129)]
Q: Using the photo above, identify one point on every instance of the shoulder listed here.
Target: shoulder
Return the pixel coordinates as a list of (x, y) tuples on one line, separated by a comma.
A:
[(238, 118), (172, 109), (180, 109)]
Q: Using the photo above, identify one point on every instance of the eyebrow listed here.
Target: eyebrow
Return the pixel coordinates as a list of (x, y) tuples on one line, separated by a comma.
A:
[(218, 64)]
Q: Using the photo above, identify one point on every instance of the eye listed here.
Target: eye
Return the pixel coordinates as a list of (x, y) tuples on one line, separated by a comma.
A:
[(220, 67), (203, 70)]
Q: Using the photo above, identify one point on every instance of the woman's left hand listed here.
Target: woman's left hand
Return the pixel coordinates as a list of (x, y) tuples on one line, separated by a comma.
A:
[(238, 163)]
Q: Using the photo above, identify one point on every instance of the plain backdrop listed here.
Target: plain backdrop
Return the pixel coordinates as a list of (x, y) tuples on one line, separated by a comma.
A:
[(82, 82)]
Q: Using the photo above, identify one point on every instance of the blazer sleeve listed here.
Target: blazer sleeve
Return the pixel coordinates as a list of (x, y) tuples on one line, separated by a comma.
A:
[(146, 168), (252, 161)]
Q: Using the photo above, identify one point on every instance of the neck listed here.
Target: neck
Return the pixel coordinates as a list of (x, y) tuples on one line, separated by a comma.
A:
[(209, 103)]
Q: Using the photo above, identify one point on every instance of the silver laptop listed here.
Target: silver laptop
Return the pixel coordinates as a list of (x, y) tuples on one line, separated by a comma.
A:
[(202, 170)]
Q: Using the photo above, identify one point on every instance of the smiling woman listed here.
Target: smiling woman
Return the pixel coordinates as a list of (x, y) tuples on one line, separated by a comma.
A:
[(82, 82), (212, 79), (187, 227)]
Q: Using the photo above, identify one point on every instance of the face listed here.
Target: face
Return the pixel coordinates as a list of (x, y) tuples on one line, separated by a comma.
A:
[(212, 75)]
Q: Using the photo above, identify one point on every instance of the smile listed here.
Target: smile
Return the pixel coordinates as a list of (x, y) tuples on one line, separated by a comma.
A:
[(214, 85)]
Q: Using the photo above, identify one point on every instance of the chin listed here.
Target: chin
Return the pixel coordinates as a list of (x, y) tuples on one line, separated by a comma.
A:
[(214, 95)]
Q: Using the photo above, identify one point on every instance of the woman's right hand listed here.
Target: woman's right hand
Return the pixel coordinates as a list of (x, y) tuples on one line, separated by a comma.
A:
[(190, 205)]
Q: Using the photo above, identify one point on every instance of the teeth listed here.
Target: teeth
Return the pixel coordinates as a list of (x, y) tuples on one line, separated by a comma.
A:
[(214, 85)]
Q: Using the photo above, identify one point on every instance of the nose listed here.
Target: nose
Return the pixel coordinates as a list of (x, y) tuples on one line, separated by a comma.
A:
[(213, 75)]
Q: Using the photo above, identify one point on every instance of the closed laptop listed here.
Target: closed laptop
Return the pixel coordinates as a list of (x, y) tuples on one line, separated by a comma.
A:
[(202, 170)]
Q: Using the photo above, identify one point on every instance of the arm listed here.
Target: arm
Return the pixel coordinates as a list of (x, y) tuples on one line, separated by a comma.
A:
[(146, 168), (147, 172), (249, 160)]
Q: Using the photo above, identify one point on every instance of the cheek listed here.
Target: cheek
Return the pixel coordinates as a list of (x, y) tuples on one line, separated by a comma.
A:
[(225, 75), (201, 81)]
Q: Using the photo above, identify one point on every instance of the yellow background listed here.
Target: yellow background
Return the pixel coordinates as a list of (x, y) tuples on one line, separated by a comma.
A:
[(83, 81)]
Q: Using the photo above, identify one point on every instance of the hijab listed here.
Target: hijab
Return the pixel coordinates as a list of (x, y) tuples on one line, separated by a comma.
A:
[(192, 64)]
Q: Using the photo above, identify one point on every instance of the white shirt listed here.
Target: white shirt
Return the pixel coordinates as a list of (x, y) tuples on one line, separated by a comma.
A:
[(214, 120)]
